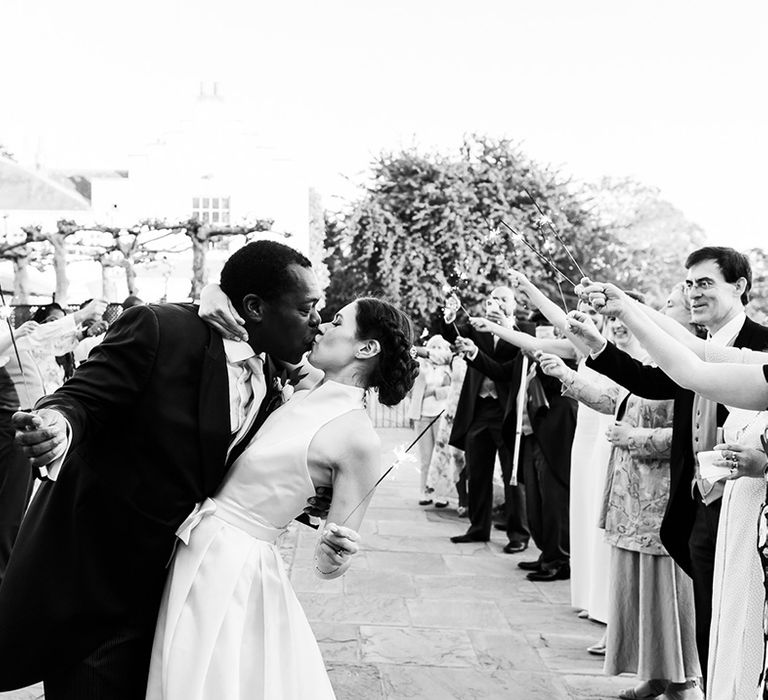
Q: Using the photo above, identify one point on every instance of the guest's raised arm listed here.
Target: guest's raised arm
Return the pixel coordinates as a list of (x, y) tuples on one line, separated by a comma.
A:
[(744, 386), (524, 341)]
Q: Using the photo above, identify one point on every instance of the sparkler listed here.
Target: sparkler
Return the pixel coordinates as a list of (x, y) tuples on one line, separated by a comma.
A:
[(545, 220), (517, 236), (401, 455)]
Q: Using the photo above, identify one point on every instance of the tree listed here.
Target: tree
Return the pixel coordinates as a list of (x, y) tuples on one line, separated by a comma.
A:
[(425, 221), (202, 236), (317, 227), (649, 237), (19, 253), (758, 304)]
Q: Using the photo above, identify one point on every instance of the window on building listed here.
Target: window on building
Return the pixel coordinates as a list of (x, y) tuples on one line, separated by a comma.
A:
[(211, 210)]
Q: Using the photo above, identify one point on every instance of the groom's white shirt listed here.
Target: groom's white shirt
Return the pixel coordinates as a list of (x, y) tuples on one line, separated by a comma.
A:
[(247, 389)]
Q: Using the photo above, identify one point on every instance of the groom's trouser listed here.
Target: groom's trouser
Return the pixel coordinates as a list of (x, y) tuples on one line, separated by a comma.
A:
[(116, 670)]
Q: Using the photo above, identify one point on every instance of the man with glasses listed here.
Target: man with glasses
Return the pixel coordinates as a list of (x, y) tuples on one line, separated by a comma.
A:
[(717, 282)]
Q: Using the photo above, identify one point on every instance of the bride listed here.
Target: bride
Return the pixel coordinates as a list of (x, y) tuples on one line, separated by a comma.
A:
[(230, 625)]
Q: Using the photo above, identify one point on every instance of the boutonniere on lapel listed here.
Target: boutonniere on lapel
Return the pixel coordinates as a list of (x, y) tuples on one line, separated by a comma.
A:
[(284, 384)]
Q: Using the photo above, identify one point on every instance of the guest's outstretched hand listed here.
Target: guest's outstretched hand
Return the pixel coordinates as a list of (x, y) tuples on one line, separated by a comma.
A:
[(517, 280), (484, 325), (26, 328), (584, 328), (464, 346), (552, 365), (217, 311), (606, 298)]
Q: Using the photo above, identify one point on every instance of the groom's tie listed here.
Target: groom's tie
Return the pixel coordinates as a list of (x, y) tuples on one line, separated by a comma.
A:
[(251, 389)]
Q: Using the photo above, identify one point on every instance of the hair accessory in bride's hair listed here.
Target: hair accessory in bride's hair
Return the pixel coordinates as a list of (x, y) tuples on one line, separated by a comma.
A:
[(412, 352)]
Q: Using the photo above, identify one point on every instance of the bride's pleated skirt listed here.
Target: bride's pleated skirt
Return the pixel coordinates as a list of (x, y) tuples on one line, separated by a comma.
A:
[(230, 626)]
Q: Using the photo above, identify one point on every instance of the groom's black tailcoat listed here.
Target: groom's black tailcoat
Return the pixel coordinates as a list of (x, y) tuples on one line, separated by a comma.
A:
[(149, 413)]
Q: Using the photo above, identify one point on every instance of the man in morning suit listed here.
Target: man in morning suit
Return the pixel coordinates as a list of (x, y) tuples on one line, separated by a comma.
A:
[(477, 429), (151, 424), (718, 281)]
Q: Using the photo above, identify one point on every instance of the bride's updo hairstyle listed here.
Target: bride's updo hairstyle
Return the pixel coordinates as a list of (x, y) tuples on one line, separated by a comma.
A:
[(395, 370)]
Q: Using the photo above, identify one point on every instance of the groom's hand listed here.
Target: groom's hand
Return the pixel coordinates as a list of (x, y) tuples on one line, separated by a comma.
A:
[(42, 435), (319, 504)]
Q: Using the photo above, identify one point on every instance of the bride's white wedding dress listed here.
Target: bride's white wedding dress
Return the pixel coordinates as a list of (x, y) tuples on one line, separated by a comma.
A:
[(230, 626)]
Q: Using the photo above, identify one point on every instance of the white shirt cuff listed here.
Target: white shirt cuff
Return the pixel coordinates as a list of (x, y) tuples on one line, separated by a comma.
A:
[(596, 353), (51, 471), (472, 355)]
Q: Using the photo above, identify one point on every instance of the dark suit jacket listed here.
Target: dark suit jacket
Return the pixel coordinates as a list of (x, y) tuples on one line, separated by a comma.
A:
[(504, 353), (553, 423), (149, 413), (652, 383)]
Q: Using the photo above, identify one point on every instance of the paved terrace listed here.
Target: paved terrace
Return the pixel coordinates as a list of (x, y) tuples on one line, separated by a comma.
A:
[(420, 617)]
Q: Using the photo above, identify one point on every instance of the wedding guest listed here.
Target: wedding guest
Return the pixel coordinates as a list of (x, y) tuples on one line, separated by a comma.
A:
[(736, 640), (428, 399), (718, 281), (447, 462), (589, 459), (547, 426), (484, 404), (90, 334), (22, 383), (54, 361), (650, 620)]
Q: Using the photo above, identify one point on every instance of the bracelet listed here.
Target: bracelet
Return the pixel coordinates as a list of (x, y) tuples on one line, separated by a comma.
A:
[(326, 573)]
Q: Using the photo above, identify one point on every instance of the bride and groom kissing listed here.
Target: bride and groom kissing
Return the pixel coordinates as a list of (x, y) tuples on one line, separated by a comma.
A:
[(146, 564)]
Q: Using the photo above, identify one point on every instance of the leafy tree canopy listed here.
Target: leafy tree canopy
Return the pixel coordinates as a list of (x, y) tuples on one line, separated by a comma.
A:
[(425, 221)]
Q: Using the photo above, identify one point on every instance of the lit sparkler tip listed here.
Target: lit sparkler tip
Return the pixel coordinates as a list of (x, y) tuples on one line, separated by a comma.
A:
[(447, 289), (492, 236), (401, 456), (543, 221)]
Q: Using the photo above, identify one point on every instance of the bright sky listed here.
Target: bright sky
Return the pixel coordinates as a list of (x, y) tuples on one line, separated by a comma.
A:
[(668, 92)]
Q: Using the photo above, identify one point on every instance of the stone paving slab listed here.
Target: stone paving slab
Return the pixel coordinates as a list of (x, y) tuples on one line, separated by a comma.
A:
[(418, 617)]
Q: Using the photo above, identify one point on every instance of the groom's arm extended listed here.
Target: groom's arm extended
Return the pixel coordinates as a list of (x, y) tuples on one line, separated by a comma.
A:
[(110, 381)]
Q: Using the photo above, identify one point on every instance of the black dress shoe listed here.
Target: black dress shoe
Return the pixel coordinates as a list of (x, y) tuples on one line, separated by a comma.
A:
[(529, 565), (500, 526), (460, 539), (514, 547), (561, 573)]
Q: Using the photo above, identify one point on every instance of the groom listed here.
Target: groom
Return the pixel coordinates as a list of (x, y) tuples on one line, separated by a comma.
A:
[(150, 424)]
